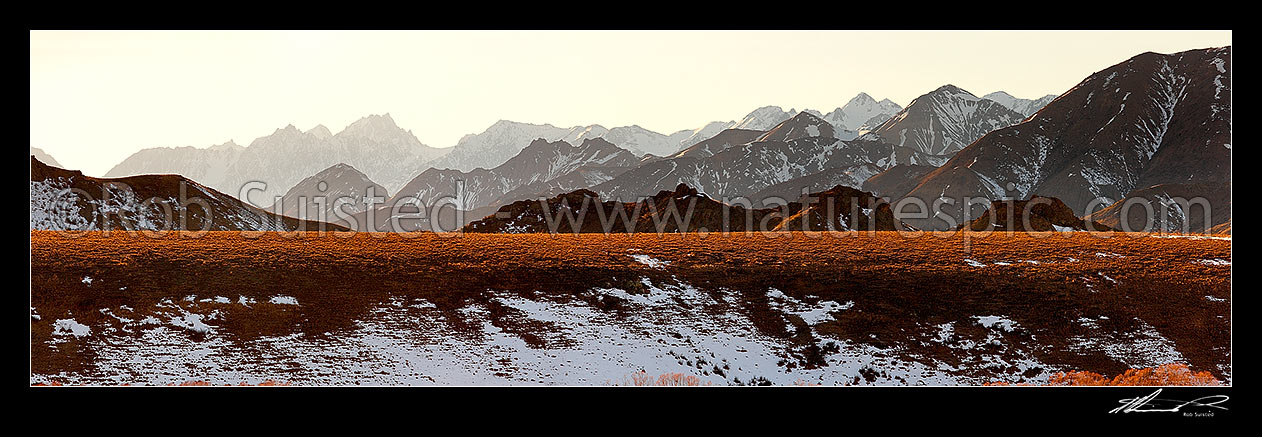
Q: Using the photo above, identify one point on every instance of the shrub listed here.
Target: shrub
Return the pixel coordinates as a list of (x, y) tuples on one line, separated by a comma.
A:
[(643, 379)]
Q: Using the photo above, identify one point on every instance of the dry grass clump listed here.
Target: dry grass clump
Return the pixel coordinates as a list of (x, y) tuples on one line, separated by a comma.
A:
[(669, 379), (1172, 374)]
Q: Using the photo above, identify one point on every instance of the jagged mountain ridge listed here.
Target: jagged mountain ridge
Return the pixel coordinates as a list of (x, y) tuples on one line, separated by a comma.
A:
[(540, 163), (373, 144), (1150, 120), (944, 121), (732, 164), (746, 169), (505, 139), (1026, 107), (862, 113)]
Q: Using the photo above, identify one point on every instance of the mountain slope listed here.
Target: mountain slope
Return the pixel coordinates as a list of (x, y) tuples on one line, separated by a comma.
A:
[(743, 170), (719, 142), (1024, 107), (704, 133), (44, 157), (944, 121), (859, 113), (764, 118), (380, 149), (499, 142), (1185, 208), (1153, 119), (896, 181), (505, 139), (849, 176), (540, 162), (341, 186), (67, 200), (641, 141), (802, 125), (372, 144), (203, 164)]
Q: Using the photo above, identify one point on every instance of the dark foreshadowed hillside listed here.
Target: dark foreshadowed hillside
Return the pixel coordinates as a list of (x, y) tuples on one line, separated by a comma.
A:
[(65, 200), (687, 210), (1037, 214)]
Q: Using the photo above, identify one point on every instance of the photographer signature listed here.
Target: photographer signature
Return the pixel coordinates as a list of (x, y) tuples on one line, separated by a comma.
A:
[(1151, 404)]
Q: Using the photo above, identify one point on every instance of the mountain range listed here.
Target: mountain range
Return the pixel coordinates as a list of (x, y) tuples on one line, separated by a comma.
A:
[(1156, 127), (538, 164), (392, 156), (1155, 120), (798, 147), (373, 144)]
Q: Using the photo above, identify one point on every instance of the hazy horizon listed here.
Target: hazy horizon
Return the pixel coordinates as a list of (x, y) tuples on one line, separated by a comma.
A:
[(99, 96)]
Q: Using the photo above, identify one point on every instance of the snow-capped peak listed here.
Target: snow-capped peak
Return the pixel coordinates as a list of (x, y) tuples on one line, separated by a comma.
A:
[(803, 125), (764, 118), (861, 113), (955, 92)]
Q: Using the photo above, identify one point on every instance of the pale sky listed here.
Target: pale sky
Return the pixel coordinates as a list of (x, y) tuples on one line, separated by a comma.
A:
[(99, 96)]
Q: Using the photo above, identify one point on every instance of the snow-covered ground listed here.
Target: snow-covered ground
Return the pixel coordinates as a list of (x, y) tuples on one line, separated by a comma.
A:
[(665, 326)]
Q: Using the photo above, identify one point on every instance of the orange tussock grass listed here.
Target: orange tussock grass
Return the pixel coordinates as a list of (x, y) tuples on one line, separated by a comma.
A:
[(898, 284), (1172, 374)]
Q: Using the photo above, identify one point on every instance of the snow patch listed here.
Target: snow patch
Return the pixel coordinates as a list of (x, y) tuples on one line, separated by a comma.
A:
[(284, 300), (70, 327), (650, 261), (1192, 237), (993, 322)]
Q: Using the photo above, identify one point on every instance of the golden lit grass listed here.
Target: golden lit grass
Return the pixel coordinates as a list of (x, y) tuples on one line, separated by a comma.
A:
[(1172, 374), (901, 286), (929, 251)]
